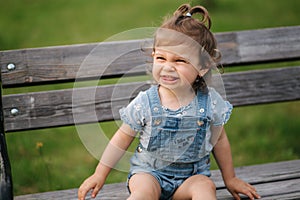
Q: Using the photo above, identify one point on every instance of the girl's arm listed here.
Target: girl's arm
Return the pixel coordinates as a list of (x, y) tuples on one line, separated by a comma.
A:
[(222, 154), (111, 155)]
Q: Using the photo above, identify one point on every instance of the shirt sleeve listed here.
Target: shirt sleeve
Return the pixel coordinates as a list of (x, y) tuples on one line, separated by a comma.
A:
[(221, 109), (135, 113)]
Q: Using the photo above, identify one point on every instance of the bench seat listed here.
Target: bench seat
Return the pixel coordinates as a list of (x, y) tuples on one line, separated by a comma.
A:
[(279, 180)]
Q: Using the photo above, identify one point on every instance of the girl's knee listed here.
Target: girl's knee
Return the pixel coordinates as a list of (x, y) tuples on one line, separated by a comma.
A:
[(209, 183), (143, 186), (196, 187), (205, 188)]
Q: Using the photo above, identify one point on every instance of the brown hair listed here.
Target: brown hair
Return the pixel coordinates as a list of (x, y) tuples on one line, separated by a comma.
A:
[(198, 29)]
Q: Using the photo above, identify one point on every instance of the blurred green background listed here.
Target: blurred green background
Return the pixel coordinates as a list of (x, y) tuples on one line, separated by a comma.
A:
[(53, 159)]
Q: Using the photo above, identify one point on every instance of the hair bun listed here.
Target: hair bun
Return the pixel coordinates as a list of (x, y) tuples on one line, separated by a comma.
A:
[(185, 9), (182, 10), (204, 13)]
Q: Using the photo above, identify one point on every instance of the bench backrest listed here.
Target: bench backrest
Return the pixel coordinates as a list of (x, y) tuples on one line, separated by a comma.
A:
[(22, 69)]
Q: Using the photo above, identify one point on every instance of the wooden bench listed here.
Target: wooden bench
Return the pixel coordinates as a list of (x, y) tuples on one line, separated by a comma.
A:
[(52, 65)]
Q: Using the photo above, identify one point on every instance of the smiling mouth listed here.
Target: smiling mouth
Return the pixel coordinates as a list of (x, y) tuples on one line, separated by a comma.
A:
[(168, 78)]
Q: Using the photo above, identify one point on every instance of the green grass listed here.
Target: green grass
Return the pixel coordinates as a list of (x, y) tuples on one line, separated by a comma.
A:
[(265, 133), (33, 23), (258, 134), (58, 163)]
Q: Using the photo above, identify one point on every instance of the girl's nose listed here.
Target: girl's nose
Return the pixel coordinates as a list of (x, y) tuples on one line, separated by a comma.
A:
[(168, 67)]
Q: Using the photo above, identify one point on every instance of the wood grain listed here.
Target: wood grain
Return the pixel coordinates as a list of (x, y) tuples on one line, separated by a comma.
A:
[(102, 103), (106, 59), (274, 183)]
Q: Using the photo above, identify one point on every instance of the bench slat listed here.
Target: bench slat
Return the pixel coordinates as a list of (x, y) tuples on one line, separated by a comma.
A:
[(61, 63), (270, 191), (263, 86), (287, 189), (263, 173), (278, 184), (54, 108)]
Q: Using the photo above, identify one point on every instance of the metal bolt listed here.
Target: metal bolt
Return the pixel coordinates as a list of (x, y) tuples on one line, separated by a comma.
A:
[(11, 66), (14, 111)]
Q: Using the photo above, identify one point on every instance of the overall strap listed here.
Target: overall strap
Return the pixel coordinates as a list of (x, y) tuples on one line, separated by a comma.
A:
[(154, 101), (202, 97)]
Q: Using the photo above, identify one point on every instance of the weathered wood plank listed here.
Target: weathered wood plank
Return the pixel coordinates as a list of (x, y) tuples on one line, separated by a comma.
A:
[(263, 86), (286, 189), (280, 190), (65, 63), (282, 182), (84, 105), (263, 173), (69, 62), (269, 44), (63, 107), (117, 191)]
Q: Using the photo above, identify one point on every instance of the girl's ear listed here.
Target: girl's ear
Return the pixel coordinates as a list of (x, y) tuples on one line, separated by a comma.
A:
[(152, 54), (202, 72)]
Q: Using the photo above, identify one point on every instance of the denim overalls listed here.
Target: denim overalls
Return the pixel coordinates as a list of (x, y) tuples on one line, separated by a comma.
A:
[(175, 150), (175, 137)]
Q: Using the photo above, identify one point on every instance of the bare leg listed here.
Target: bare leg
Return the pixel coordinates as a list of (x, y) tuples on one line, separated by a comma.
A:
[(144, 186), (196, 187)]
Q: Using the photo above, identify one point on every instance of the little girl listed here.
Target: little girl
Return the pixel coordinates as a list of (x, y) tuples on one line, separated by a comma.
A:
[(180, 120)]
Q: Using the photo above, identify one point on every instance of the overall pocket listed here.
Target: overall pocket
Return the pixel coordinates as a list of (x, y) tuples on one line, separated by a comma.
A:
[(179, 145), (177, 139)]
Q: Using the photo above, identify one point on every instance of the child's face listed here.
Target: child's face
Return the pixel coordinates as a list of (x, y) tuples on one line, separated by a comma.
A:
[(173, 71)]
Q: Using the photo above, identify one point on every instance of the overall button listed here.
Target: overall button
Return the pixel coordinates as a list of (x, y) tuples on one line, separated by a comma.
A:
[(201, 110)]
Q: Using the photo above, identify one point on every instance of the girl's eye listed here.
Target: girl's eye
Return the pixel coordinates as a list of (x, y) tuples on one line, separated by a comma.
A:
[(160, 58), (181, 61)]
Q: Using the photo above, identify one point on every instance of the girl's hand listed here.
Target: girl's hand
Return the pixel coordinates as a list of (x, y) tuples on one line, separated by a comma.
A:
[(94, 183), (237, 186)]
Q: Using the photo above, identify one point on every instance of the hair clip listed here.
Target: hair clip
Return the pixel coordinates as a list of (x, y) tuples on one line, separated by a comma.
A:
[(188, 14)]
